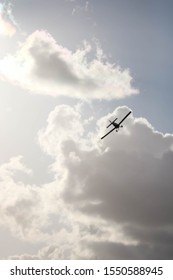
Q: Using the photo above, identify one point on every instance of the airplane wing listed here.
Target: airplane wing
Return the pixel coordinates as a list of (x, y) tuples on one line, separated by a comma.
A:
[(108, 133), (125, 117)]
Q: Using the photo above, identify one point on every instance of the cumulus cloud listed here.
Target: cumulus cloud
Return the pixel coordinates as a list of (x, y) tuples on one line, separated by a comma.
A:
[(37, 215), (45, 67), (63, 124), (7, 24), (27, 210), (124, 181), (14, 165), (110, 199), (17, 200)]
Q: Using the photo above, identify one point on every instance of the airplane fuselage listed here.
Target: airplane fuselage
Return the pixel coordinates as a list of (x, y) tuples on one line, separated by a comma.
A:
[(116, 125)]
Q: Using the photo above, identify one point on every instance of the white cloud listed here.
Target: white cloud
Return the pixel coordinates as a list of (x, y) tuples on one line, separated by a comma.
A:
[(15, 164), (63, 124), (24, 208), (45, 67), (7, 24)]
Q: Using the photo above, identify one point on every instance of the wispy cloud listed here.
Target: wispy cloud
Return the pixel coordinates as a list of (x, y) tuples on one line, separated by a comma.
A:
[(81, 7), (45, 67)]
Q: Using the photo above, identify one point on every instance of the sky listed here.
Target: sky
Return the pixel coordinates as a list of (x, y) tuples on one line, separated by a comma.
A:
[(67, 67)]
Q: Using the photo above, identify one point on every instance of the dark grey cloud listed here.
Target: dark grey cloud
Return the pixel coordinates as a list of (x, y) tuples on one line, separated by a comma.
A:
[(109, 250), (151, 235), (129, 188)]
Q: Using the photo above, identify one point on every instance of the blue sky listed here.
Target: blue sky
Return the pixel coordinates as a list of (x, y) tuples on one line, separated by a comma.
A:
[(66, 67)]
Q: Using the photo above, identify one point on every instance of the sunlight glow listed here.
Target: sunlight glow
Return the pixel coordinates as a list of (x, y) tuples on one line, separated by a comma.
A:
[(6, 28)]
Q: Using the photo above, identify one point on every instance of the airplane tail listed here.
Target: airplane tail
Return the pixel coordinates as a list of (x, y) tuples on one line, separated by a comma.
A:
[(109, 124)]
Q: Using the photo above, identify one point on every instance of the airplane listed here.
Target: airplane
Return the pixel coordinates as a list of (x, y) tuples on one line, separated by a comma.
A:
[(116, 125)]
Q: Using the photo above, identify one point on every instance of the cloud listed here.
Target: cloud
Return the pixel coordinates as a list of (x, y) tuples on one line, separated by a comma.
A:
[(84, 7), (110, 199), (63, 124), (23, 207), (17, 200), (45, 67), (36, 215), (7, 23), (8, 170), (124, 181)]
